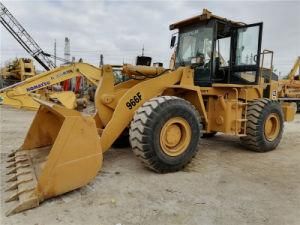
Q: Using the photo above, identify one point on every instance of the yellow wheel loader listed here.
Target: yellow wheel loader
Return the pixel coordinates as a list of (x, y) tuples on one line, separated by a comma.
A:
[(22, 94), (215, 87)]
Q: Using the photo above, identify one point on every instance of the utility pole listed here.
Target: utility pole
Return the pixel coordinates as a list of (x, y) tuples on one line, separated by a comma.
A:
[(55, 52), (101, 60), (143, 49)]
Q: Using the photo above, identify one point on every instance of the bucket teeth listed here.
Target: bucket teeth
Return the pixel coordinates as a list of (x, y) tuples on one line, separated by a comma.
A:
[(14, 170), (11, 159), (11, 165), (22, 182), (16, 195), (12, 153), (16, 184), (15, 162), (28, 204), (14, 177), (13, 196)]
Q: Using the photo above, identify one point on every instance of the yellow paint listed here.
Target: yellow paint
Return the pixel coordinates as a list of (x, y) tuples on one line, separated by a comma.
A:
[(175, 136), (20, 94), (272, 127), (66, 98), (75, 143), (19, 69), (289, 110), (63, 152)]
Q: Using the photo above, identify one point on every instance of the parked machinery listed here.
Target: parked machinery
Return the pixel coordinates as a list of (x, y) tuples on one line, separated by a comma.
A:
[(23, 94), (289, 88), (16, 71), (165, 111)]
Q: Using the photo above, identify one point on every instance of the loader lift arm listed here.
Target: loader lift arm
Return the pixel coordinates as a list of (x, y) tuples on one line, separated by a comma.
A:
[(19, 94)]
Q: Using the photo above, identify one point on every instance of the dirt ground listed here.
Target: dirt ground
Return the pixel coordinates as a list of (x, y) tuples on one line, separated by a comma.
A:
[(224, 184)]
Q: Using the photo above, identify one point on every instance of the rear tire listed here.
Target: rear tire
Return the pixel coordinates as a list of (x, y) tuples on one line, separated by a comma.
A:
[(165, 133), (264, 126)]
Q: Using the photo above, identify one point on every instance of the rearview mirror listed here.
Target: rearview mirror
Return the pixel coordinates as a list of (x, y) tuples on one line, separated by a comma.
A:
[(173, 40)]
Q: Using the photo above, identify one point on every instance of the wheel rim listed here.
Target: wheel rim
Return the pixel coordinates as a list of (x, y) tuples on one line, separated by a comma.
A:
[(272, 127), (175, 136)]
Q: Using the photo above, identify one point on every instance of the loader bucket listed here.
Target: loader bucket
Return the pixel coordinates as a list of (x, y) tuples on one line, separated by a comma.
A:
[(60, 153)]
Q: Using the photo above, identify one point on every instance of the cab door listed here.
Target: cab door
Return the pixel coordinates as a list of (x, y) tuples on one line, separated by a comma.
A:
[(245, 55)]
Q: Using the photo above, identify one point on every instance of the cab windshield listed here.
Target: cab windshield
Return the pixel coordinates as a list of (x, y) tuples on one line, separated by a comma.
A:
[(194, 42)]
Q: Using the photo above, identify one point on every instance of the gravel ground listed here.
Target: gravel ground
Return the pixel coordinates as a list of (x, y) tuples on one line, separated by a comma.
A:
[(224, 184)]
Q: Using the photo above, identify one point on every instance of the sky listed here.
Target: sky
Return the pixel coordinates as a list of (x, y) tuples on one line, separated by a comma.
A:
[(120, 29)]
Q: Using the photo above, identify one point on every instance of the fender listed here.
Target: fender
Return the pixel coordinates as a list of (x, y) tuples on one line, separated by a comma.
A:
[(130, 102)]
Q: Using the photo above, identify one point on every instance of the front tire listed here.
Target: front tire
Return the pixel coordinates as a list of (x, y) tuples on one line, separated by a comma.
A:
[(165, 133), (264, 125)]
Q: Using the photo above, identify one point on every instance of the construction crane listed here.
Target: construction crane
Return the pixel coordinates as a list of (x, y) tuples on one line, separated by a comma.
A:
[(25, 40)]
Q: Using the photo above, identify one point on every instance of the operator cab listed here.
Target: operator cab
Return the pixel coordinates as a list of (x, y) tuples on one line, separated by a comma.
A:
[(219, 50)]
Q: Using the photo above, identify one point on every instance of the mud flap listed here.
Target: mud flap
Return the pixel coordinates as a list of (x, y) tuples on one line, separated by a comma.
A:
[(60, 153)]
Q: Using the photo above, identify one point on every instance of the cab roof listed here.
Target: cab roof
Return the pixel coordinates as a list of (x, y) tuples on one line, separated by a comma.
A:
[(205, 16)]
